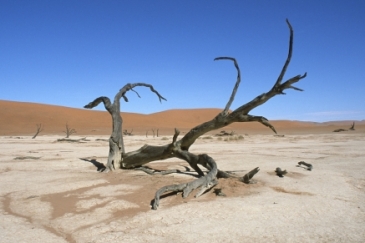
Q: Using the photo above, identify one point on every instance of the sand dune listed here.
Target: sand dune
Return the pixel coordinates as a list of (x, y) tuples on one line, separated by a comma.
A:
[(20, 118)]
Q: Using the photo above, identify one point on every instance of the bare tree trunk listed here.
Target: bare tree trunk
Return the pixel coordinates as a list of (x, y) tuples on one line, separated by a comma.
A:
[(39, 129), (116, 144), (352, 128), (69, 131), (180, 148)]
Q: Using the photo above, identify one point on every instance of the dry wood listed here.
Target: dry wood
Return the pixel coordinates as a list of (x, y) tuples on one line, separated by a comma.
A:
[(118, 158), (69, 131), (307, 165), (116, 144), (26, 157), (39, 129), (352, 128), (126, 133), (280, 172)]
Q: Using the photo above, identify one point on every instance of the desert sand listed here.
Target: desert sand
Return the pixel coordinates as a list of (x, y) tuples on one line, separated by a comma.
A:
[(51, 191)]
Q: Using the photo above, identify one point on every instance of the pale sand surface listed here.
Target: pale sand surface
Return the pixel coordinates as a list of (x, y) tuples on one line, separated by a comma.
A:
[(61, 197)]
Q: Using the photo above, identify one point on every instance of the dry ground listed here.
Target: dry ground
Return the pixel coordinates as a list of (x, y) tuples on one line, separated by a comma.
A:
[(56, 194)]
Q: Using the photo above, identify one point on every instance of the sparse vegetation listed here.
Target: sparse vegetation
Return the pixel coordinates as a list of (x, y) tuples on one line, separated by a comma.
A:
[(279, 135), (81, 140), (352, 128), (26, 157), (233, 138), (224, 134), (339, 130), (126, 133)]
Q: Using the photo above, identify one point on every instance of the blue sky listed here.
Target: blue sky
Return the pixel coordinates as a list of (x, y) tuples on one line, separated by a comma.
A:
[(68, 53)]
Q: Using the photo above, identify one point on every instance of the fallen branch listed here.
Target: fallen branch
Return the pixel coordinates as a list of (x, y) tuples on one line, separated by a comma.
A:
[(308, 166), (204, 183), (26, 157), (280, 172)]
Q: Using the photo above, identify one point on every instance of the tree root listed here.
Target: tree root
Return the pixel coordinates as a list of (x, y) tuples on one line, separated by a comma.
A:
[(245, 179), (114, 155), (205, 182)]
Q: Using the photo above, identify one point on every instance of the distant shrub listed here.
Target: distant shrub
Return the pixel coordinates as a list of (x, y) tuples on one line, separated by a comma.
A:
[(233, 138), (164, 138)]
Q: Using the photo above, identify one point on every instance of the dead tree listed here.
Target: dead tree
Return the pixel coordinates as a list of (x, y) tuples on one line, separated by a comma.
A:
[(180, 148), (39, 129), (352, 128), (339, 130), (125, 132), (69, 131), (116, 144)]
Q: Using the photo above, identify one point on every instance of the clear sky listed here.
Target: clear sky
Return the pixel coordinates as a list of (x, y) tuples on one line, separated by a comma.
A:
[(68, 53)]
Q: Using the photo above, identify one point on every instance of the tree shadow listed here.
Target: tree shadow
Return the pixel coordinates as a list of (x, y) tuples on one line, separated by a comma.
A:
[(99, 166), (151, 171)]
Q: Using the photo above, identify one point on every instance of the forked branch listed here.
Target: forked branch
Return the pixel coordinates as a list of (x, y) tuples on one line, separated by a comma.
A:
[(39, 129), (69, 131), (116, 144), (226, 109)]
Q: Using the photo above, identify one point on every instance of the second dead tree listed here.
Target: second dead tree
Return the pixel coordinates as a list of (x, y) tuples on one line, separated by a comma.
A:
[(39, 129), (69, 131)]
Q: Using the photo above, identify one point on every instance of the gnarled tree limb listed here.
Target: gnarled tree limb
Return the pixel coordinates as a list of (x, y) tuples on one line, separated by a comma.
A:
[(226, 109), (116, 144), (205, 182), (180, 148)]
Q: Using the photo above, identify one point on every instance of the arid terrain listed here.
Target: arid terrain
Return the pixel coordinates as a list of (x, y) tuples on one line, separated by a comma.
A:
[(51, 191)]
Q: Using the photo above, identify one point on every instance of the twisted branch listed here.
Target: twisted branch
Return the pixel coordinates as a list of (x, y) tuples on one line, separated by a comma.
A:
[(226, 109), (205, 183)]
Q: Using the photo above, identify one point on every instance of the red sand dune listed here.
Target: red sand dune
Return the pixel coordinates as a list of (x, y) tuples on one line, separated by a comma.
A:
[(20, 118)]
